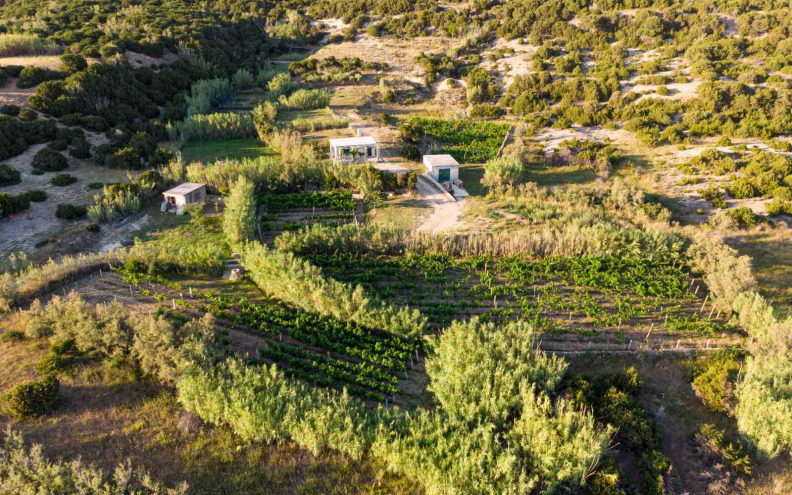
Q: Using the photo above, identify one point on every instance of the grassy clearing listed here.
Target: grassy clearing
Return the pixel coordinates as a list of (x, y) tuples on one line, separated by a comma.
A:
[(471, 176), (289, 115), (556, 176), (236, 149), (185, 233), (772, 262), (400, 212), (16, 45), (351, 96)]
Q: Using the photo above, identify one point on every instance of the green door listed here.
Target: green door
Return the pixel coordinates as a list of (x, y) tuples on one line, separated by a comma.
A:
[(444, 175)]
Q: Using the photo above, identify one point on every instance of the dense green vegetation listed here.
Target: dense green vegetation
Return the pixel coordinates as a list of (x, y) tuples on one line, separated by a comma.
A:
[(467, 141)]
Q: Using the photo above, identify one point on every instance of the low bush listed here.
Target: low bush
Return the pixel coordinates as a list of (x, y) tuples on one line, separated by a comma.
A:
[(70, 212), (714, 382), (26, 470), (81, 150), (27, 115), (32, 399), (744, 217), (12, 110), (484, 111), (36, 196), (63, 180), (49, 160), (9, 176), (10, 204), (411, 152), (742, 189), (307, 99), (33, 76), (12, 336), (778, 207)]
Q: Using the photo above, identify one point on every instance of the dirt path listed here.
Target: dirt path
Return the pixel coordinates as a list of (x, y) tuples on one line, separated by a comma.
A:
[(446, 213)]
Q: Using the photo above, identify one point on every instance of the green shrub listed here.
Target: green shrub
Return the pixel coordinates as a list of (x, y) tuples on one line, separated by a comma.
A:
[(73, 63), (243, 79), (9, 176), (70, 212), (93, 227), (742, 189), (49, 160), (12, 336), (12, 110), (744, 217), (279, 85), (36, 196), (714, 383), (27, 115), (33, 76), (783, 193), (81, 150), (484, 111), (307, 99), (10, 204), (715, 196), (778, 207), (32, 399), (411, 152), (63, 180), (732, 451), (95, 185)]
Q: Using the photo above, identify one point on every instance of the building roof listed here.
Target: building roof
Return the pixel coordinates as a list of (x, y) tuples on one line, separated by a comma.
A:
[(354, 141), (440, 161), (183, 189)]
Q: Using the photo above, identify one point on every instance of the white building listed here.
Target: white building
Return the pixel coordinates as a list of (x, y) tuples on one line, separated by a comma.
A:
[(443, 168), (183, 194), (354, 149)]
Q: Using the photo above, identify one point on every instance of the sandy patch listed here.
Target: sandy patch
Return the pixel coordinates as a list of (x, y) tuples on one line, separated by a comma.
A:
[(142, 60), (332, 26), (45, 61), (446, 213), (510, 66), (399, 54), (11, 95), (552, 138), (20, 232)]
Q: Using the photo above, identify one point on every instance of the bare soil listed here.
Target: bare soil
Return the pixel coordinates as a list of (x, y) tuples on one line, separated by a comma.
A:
[(22, 231)]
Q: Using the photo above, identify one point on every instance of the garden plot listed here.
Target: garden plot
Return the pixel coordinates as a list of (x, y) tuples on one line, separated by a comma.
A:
[(596, 303), (372, 365), (280, 212)]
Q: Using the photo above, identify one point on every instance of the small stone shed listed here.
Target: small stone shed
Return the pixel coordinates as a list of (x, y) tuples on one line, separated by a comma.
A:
[(365, 149), (443, 168), (184, 194)]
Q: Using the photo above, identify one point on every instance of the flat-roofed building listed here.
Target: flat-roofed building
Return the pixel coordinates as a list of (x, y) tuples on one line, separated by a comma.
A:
[(354, 149), (443, 168), (184, 194)]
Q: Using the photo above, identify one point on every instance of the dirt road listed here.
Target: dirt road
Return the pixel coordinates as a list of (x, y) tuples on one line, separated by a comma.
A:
[(446, 213)]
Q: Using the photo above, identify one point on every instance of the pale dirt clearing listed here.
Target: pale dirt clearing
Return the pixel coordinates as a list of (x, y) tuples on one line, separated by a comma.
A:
[(507, 68), (52, 62), (399, 54), (11, 95), (21, 231), (446, 213), (552, 138)]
